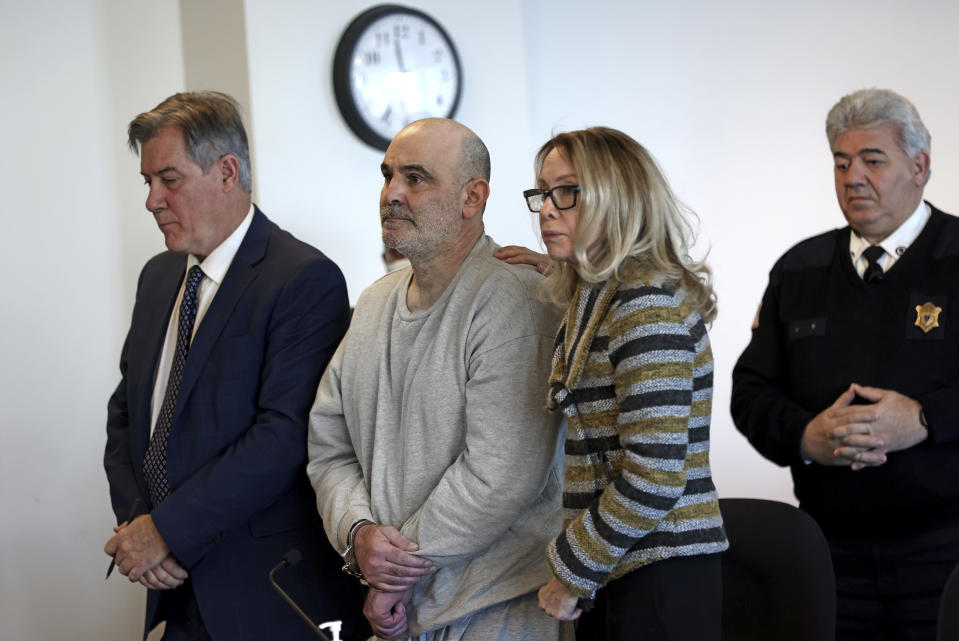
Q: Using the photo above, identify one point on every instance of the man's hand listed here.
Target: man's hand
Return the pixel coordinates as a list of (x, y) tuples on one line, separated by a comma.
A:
[(558, 602), (386, 612), (137, 547), (516, 255), (893, 419), (167, 575), (822, 443), (385, 559)]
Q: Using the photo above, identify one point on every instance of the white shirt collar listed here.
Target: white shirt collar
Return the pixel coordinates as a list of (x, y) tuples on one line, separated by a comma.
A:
[(218, 262), (898, 241)]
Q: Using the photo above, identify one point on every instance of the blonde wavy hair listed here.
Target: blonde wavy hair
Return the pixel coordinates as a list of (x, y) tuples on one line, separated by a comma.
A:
[(626, 210)]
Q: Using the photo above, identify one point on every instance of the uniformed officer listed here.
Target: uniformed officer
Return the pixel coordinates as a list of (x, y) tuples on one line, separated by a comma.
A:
[(852, 374)]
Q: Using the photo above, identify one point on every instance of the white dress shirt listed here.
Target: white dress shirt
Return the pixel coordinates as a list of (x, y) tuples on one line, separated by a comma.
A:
[(214, 269), (895, 244)]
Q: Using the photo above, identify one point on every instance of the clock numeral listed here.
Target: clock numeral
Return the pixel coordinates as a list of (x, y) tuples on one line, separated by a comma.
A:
[(372, 57), (438, 55), (402, 31), (387, 115), (382, 38), (445, 75), (422, 37), (439, 100)]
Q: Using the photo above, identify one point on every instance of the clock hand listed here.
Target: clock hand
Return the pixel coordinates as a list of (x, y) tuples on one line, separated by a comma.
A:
[(399, 51)]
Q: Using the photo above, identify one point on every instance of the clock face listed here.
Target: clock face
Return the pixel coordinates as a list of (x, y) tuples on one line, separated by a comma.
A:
[(394, 65)]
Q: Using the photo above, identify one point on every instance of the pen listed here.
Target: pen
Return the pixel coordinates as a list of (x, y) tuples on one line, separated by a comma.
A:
[(133, 512)]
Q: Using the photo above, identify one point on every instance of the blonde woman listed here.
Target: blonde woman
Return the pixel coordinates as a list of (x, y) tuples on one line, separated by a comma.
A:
[(632, 373)]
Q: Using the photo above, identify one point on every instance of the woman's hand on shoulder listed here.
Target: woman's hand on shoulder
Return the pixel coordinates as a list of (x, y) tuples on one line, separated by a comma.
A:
[(516, 255)]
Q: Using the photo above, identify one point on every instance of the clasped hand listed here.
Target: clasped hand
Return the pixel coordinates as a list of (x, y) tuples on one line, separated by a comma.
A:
[(862, 435), (386, 559), (142, 555), (386, 612)]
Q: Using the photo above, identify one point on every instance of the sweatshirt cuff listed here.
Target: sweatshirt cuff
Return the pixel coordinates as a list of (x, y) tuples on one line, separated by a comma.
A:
[(352, 515)]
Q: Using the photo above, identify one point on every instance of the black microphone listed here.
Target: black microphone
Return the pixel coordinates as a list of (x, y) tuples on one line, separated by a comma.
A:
[(293, 557), (290, 559)]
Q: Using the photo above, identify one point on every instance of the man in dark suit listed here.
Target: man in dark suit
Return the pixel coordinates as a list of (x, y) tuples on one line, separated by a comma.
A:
[(206, 431)]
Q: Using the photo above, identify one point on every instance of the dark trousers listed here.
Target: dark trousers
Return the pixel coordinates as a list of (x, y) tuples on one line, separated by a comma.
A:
[(678, 599), (889, 590), (182, 614)]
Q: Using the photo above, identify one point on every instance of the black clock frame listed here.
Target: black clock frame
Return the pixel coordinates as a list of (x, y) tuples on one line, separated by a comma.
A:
[(342, 60)]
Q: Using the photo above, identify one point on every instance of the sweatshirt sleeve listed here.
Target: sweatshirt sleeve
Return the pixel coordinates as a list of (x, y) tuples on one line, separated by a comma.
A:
[(511, 440), (342, 497)]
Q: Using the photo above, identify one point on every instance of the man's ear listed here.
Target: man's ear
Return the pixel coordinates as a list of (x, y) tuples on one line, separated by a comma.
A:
[(920, 168), (477, 193), (229, 171)]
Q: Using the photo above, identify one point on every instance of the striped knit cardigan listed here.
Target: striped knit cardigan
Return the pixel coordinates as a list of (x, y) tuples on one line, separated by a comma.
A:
[(632, 372)]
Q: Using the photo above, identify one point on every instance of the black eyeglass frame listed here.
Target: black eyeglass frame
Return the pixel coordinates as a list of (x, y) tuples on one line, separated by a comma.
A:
[(529, 193)]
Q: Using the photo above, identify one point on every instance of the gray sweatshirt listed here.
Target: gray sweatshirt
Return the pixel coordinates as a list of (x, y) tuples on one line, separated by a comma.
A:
[(433, 421)]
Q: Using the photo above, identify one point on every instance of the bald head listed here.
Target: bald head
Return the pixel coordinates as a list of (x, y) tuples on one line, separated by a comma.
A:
[(434, 190), (464, 151)]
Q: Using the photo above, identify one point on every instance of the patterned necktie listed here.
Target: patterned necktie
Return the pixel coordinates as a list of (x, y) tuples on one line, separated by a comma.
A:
[(873, 273), (154, 464)]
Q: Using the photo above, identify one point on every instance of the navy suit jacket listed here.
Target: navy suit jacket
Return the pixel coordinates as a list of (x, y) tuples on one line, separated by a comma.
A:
[(240, 498)]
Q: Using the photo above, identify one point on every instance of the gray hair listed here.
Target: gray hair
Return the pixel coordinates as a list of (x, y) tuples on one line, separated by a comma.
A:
[(209, 120), (475, 161), (868, 108)]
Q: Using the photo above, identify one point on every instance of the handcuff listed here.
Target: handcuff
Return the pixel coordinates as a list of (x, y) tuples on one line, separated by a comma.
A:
[(350, 565)]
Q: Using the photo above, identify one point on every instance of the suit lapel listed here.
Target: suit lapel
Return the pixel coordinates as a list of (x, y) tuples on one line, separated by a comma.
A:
[(238, 277)]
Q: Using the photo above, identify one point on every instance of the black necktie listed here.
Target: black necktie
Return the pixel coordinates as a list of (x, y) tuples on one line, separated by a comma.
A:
[(154, 463), (873, 273)]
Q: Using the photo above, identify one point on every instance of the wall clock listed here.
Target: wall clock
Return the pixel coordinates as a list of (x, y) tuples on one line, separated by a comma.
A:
[(394, 65)]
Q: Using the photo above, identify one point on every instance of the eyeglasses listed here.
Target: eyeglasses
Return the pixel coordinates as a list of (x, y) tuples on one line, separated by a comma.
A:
[(563, 197)]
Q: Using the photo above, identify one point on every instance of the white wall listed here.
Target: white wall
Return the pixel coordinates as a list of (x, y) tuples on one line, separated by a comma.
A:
[(730, 98), (72, 74)]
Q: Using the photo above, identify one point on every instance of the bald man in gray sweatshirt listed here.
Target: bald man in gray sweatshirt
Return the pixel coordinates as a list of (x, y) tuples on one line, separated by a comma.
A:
[(436, 467)]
